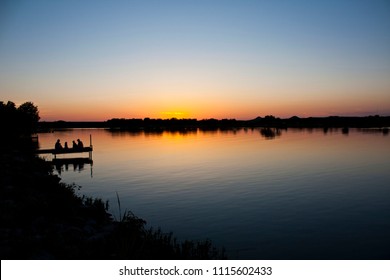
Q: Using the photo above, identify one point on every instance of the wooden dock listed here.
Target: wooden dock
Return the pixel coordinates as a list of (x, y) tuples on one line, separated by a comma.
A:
[(62, 151), (76, 161)]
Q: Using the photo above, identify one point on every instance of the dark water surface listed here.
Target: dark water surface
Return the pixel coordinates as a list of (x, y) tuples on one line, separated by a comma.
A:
[(262, 194)]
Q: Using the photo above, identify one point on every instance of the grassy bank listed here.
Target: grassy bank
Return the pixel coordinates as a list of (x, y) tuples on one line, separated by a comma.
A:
[(43, 218)]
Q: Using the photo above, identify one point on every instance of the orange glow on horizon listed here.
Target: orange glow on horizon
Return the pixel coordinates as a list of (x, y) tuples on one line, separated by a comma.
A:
[(174, 114), (206, 108)]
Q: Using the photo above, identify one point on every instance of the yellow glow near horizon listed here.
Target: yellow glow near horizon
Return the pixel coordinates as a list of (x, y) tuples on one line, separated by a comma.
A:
[(177, 115)]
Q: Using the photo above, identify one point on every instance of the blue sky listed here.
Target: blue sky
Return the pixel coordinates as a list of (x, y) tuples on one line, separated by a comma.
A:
[(94, 60)]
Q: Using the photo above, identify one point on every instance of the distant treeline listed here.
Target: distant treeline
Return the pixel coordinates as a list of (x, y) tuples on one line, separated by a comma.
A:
[(323, 122), (149, 124)]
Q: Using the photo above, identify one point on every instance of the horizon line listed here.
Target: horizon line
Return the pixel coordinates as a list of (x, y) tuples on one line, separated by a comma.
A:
[(220, 119)]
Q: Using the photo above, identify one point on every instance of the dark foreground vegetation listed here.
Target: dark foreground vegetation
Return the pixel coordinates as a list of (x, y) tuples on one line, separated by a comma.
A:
[(43, 218)]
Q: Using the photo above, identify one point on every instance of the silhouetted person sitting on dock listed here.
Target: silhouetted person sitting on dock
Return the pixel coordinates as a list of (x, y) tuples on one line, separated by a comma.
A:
[(58, 145), (80, 144), (74, 145), (66, 146)]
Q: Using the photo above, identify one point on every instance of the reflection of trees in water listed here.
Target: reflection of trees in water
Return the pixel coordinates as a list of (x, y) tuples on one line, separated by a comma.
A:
[(266, 132), (384, 131), (151, 132), (173, 131), (345, 130), (270, 133)]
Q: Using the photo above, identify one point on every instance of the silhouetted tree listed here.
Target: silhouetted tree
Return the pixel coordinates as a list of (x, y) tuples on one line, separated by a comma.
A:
[(21, 121), (29, 116)]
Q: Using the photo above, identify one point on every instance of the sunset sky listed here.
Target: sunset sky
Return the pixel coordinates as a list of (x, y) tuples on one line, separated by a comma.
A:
[(96, 60)]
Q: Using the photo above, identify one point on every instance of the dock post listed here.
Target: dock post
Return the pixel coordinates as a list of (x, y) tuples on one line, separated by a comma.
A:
[(90, 145)]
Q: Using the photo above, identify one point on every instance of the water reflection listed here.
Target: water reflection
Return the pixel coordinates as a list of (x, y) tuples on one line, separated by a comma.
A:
[(384, 131), (312, 193), (78, 164), (267, 133), (345, 130), (270, 133), (157, 132)]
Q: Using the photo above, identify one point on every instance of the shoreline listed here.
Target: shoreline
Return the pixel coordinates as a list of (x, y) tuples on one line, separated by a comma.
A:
[(43, 218)]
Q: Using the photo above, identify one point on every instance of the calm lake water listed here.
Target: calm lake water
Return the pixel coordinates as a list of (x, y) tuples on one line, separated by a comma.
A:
[(262, 194)]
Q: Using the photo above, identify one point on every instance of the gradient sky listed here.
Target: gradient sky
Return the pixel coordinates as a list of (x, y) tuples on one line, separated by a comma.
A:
[(96, 60)]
